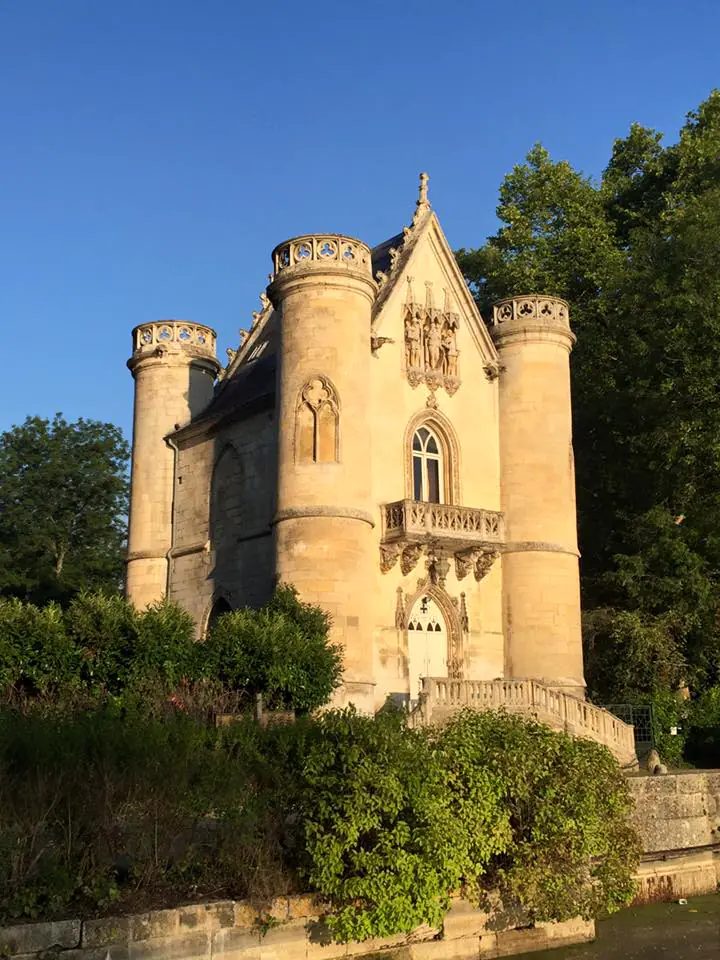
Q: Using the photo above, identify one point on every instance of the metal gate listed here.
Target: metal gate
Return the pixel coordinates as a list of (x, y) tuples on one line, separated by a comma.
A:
[(640, 715)]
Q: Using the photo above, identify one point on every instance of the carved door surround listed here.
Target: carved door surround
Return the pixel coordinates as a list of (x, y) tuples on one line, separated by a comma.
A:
[(451, 611)]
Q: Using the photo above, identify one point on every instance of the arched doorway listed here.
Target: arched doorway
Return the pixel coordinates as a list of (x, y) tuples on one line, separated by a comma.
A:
[(220, 607), (427, 642)]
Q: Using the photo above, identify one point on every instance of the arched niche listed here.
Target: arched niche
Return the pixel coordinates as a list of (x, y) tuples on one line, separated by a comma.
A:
[(317, 422)]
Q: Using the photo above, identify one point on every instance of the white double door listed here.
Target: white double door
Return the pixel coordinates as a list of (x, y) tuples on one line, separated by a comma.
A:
[(427, 643)]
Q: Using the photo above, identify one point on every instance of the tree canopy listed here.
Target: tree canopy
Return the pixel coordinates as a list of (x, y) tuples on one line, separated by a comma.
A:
[(636, 254), (63, 507)]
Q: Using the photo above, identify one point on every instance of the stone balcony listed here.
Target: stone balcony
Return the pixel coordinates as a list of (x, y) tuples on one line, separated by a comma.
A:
[(470, 534), (441, 697)]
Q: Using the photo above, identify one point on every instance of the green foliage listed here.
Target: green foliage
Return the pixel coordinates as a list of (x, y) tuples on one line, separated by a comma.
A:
[(100, 807), (669, 712), (630, 656), (381, 838), (106, 807), (563, 846), (36, 656), (63, 503), (703, 736), (100, 646), (281, 651)]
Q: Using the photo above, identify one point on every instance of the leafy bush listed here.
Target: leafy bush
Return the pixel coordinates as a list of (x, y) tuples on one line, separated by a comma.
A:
[(703, 739), (281, 651), (36, 656), (563, 847), (381, 838)]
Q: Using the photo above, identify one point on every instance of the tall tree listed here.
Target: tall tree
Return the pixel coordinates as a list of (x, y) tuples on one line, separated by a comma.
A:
[(63, 505)]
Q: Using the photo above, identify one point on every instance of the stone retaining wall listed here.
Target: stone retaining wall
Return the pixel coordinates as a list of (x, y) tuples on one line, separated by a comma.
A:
[(677, 817), (290, 928)]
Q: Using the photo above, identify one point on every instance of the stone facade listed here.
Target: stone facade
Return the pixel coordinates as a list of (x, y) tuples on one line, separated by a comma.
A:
[(378, 445)]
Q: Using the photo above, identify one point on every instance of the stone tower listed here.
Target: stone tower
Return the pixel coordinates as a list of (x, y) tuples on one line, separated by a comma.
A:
[(541, 583), (174, 367), (323, 289)]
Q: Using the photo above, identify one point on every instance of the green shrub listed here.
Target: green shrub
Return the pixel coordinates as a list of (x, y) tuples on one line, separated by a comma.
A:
[(36, 656), (703, 739), (104, 630), (281, 651), (570, 851), (381, 838)]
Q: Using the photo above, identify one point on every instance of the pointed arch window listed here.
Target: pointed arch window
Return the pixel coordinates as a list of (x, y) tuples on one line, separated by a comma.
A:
[(428, 468), (317, 420)]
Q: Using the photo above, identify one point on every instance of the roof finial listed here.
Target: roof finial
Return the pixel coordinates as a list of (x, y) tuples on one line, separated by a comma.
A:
[(423, 196), (423, 203)]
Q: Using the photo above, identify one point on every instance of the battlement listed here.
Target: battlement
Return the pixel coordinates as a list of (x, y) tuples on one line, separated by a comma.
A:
[(321, 251)]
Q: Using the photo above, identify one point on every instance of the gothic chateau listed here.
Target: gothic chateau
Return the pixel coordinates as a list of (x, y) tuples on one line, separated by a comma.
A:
[(401, 460)]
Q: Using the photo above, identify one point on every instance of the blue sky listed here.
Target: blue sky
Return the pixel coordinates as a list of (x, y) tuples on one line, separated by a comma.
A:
[(152, 152)]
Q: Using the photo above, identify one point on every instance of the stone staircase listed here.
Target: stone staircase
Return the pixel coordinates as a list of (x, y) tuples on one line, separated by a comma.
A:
[(440, 698)]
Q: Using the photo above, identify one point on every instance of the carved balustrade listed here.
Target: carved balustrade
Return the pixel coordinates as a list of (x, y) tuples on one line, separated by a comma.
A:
[(441, 697), (160, 333), (449, 525), (322, 250), (412, 527)]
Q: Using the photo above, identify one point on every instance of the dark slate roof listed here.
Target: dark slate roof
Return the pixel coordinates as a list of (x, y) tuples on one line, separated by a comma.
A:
[(251, 383), (381, 253)]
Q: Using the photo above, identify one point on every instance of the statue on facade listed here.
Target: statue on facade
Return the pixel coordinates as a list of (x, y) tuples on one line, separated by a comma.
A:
[(412, 341)]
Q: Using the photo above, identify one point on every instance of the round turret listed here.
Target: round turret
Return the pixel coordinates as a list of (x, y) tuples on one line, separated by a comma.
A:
[(323, 290), (174, 367), (541, 585)]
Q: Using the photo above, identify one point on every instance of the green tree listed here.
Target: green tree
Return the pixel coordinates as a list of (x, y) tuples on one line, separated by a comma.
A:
[(63, 503)]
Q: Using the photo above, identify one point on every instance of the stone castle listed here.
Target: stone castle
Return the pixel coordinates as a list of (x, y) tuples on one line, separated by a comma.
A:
[(375, 443)]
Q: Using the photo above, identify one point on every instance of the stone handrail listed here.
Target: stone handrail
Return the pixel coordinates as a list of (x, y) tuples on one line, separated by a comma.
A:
[(559, 710), (405, 519)]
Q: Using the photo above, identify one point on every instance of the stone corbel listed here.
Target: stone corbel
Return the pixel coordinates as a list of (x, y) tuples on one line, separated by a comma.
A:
[(493, 369), (484, 563), (389, 553), (475, 559), (409, 559), (465, 562)]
